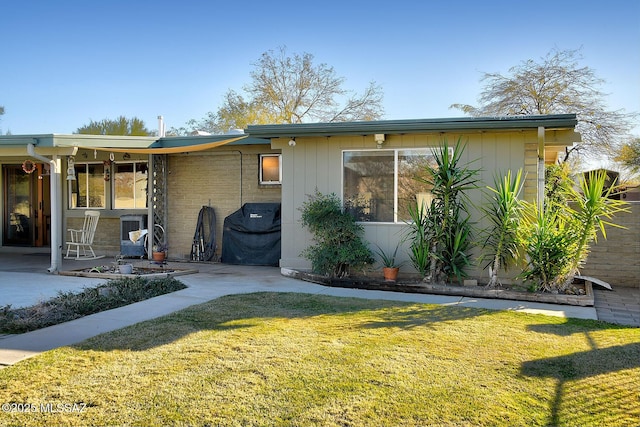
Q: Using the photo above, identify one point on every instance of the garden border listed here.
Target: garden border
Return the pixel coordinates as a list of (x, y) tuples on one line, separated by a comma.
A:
[(419, 287)]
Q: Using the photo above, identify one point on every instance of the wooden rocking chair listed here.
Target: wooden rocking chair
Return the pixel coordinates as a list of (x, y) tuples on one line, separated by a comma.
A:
[(81, 240)]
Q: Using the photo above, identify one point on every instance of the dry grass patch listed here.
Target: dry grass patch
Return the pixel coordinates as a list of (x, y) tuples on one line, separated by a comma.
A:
[(292, 359)]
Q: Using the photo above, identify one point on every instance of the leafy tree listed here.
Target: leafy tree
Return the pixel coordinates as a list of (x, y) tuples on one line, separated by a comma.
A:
[(291, 89), (119, 126), (556, 85), (629, 155)]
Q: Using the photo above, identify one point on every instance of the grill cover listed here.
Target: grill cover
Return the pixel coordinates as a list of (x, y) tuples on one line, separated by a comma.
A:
[(251, 235)]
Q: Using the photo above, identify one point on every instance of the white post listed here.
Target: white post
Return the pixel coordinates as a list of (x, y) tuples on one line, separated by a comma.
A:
[(541, 180), (56, 211)]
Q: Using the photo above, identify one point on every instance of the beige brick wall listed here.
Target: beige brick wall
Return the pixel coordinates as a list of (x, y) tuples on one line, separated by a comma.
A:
[(224, 179), (617, 259), (107, 238)]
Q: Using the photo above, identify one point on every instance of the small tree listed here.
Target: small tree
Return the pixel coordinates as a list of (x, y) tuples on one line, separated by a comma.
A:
[(338, 244)]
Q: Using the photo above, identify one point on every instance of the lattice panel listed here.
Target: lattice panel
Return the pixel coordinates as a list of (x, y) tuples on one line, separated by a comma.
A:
[(159, 198)]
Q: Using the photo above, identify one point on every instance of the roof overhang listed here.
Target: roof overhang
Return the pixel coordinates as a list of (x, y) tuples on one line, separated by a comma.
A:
[(54, 144), (461, 124)]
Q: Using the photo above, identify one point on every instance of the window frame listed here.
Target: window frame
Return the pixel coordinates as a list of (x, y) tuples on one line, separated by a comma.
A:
[(112, 173), (86, 165), (261, 180), (396, 164)]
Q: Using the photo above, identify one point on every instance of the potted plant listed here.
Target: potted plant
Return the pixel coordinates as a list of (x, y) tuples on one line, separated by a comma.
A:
[(123, 266), (159, 253), (390, 267)]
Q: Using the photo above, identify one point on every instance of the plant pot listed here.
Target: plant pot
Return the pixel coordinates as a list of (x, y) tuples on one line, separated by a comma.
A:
[(158, 256), (390, 273), (125, 268)]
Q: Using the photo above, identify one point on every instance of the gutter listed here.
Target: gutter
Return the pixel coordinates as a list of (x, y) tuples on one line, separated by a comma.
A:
[(54, 182)]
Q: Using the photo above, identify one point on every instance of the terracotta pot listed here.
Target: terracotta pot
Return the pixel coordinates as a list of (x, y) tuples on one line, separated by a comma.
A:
[(390, 273), (159, 256)]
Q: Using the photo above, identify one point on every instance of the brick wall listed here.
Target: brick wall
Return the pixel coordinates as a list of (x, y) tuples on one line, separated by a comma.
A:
[(224, 179), (107, 238), (617, 259)]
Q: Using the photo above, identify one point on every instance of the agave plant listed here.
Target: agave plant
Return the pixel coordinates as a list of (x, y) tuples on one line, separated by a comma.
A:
[(505, 212)]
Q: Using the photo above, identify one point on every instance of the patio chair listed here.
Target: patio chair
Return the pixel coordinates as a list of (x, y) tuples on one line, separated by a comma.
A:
[(81, 240)]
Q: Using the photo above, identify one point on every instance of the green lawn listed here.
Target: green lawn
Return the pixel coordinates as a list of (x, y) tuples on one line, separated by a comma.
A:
[(292, 359)]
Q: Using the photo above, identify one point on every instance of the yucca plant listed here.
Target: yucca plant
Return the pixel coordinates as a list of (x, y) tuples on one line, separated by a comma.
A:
[(504, 212), (548, 245), (420, 235), (593, 211), (448, 214), (558, 237)]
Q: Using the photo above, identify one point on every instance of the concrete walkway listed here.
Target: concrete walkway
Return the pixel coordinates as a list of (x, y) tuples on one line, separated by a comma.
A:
[(212, 281)]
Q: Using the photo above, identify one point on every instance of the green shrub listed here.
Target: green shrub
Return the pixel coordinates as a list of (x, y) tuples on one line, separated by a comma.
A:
[(338, 241), (67, 306)]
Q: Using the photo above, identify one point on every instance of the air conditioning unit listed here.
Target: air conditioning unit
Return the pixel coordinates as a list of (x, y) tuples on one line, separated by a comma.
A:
[(129, 224)]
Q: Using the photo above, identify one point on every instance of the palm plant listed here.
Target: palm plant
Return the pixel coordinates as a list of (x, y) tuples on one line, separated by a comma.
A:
[(504, 213)]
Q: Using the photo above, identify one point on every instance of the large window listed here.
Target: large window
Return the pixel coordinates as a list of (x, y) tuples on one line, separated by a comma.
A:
[(130, 185), (88, 189), (380, 185)]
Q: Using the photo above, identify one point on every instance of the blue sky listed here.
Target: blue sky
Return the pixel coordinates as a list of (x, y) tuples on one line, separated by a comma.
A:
[(64, 63)]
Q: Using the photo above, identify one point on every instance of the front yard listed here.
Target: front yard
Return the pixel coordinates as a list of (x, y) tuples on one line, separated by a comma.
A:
[(292, 359)]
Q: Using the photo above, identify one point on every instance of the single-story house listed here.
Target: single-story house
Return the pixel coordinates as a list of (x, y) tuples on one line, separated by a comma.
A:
[(49, 181)]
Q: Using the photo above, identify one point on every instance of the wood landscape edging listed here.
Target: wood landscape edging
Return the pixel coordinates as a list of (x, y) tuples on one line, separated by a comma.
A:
[(419, 287)]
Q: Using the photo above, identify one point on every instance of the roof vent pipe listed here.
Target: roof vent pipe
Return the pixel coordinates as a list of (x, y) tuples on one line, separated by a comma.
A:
[(161, 129)]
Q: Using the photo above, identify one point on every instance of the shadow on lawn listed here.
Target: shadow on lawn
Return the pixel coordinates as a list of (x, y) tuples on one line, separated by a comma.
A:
[(248, 310), (569, 369)]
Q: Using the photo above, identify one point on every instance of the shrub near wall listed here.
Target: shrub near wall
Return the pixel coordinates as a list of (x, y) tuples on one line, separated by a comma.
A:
[(616, 259)]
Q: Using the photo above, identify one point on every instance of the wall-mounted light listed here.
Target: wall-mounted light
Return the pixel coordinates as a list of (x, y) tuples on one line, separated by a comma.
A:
[(379, 139), (71, 170), (292, 142)]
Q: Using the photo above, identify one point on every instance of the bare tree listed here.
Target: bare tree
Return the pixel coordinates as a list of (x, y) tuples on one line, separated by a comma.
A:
[(291, 89), (556, 85)]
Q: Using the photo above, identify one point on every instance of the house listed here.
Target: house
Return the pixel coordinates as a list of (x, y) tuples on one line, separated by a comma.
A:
[(368, 163), (165, 181)]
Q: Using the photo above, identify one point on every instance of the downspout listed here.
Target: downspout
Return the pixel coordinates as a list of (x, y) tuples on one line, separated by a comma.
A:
[(541, 180), (54, 182)]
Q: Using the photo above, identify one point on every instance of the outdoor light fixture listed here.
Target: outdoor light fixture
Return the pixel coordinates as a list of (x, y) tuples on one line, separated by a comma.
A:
[(71, 170), (379, 139), (292, 142)]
